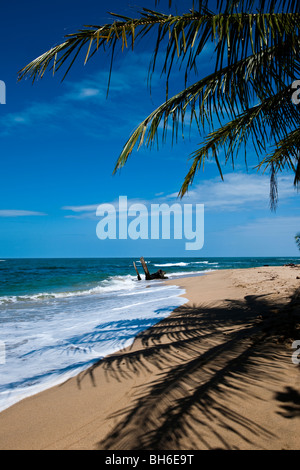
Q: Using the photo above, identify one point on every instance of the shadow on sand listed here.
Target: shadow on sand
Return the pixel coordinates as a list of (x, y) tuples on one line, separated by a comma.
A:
[(209, 362)]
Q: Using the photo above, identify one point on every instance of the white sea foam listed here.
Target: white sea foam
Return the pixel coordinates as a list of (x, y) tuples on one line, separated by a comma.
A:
[(49, 341), (189, 273), (172, 264), (112, 284), (148, 290), (143, 303), (184, 263)]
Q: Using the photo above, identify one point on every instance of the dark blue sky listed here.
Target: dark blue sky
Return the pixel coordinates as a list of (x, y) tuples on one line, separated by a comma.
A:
[(60, 141)]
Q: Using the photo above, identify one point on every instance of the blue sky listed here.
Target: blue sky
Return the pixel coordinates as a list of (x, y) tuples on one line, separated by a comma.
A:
[(60, 141)]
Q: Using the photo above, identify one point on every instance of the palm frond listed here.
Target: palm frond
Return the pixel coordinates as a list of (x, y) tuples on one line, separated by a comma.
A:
[(210, 97), (286, 155), (261, 124), (183, 37)]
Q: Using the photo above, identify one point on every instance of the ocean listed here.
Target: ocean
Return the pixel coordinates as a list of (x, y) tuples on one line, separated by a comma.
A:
[(59, 316)]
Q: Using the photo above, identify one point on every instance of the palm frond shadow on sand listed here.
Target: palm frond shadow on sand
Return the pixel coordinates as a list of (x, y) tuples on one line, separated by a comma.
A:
[(205, 360)]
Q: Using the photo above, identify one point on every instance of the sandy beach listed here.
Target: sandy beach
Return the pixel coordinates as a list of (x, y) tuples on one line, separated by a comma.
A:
[(216, 374)]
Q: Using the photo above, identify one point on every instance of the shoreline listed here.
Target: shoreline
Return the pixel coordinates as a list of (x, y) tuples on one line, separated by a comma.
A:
[(82, 343), (216, 373)]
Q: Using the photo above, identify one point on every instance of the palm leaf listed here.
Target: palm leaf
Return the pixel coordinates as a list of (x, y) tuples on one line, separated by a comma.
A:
[(225, 89), (286, 155), (185, 35), (261, 124)]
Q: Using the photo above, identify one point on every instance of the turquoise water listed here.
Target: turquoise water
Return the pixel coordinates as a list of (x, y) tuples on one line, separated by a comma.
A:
[(58, 316), (26, 277)]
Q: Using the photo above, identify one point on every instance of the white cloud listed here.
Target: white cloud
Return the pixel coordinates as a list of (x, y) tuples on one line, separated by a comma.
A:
[(88, 92), (274, 227), (265, 236), (84, 90), (19, 213), (34, 113), (237, 191), (89, 211), (86, 208), (85, 101)]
